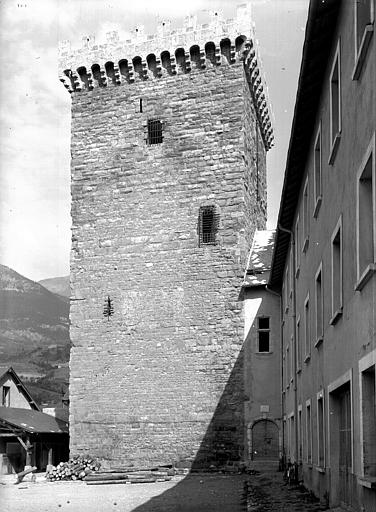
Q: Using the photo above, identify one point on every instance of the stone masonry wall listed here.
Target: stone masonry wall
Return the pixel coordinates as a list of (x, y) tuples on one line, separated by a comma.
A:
[(160, 380)]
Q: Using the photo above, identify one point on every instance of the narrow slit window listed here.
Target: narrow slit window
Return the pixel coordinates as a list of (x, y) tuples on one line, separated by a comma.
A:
[(208, 225), (263, 334), (155, 131)]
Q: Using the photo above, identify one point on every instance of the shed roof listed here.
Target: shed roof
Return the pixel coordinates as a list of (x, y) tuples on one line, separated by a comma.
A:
[(259, 259), (33, 422), (320, 29)]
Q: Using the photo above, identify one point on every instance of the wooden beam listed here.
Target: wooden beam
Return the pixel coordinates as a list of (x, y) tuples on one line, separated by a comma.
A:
[(22, 443)]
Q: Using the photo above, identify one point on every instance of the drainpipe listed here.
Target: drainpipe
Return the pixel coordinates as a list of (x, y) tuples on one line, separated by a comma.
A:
[(292, 238), (282, 458)]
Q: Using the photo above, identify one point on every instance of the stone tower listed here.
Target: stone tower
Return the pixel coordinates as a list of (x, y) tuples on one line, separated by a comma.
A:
[(169, 137)]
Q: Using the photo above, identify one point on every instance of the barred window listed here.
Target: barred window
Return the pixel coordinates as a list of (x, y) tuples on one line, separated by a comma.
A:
[(208, 225), (155, 131)]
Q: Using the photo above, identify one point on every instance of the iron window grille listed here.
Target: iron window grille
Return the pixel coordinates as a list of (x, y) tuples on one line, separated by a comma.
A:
[(208, 225), (155, 131)]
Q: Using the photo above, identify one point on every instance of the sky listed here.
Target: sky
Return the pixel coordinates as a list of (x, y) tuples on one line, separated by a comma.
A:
[(35, 108)]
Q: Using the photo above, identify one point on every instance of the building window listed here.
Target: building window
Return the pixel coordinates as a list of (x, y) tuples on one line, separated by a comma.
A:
[(298, 345), (155, 131), (319, 313), (364, 19), (300, 431), (263, 332), (320, 430), (291, 276), (335, 105), (288, 371), (286, 289), (366, 218), (337, 272), (368, 421), (317, 162), (292, 359), (291, 437), (309, 432), (208, 225), (307, 331), (297, 247), (305, 217), (5, 398)]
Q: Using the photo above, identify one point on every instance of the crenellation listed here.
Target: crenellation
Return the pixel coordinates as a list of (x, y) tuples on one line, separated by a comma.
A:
[(169, 53)]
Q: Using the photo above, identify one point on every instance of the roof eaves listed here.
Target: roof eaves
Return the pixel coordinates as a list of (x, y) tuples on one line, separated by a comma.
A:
[(321, 22)]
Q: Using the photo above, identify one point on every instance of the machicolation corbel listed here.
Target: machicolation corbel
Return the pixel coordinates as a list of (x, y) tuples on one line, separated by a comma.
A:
[(192, 48)]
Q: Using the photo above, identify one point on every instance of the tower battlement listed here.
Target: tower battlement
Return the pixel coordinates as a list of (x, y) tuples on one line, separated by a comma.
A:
[(191, 48)]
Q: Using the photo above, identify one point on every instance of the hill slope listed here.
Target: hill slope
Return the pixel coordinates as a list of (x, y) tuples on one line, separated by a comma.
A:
[(34, 328), (58, 285)]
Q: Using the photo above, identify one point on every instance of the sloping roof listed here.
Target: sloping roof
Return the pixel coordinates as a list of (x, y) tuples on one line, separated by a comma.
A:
[(31, 421), (259, 259), (320, 29), (20, 385)]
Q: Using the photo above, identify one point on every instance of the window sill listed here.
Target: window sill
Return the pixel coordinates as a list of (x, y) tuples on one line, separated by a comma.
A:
[(320, 469), (305, 245), (336, 316), (307, 358), (365, 277), (318, 342), (334, 148), (317, 207), (264, 353), (362, 53), (367, 481)]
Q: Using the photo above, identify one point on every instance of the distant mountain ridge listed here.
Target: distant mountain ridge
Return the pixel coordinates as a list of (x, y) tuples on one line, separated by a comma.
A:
[(58, 285), (34, 330)]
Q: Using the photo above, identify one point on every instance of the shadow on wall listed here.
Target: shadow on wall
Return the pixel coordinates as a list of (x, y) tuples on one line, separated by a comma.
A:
[(224, 442)]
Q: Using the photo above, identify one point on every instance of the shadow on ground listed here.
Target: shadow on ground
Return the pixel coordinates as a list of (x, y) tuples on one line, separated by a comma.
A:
[(223, 442), (200, 493)]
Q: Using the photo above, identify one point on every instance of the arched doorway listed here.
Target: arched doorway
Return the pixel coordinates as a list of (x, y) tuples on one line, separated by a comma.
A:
[(265, 440)]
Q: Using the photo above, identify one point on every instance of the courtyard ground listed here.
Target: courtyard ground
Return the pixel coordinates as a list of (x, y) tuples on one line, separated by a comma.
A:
[(262, 492)]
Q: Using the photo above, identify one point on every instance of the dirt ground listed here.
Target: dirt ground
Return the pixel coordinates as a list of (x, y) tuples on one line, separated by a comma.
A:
[(196, 493), (260, 492)]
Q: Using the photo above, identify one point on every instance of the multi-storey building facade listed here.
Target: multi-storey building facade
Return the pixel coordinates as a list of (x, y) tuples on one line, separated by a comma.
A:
[(169, 136), (325, 259), (262, 358)]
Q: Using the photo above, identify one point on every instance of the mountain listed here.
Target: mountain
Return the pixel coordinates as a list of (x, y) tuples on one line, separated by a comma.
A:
[(34, 332), (58, 285)]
